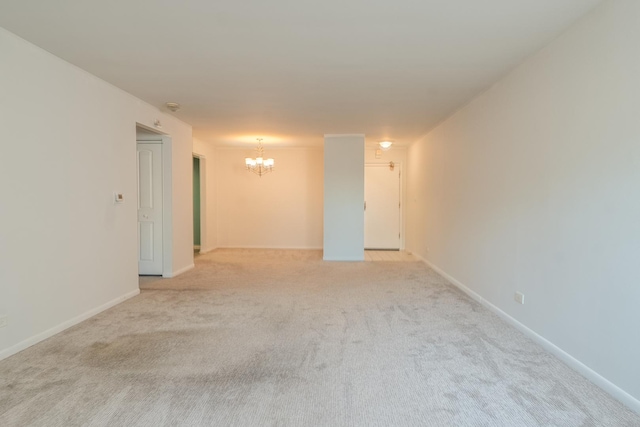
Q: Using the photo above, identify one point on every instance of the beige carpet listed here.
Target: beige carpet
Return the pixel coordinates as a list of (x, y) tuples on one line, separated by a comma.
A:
[(280, 338)]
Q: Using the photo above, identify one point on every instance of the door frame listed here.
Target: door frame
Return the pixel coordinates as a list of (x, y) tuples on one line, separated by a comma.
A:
[(167, 194), (401, 195), (204, 244)]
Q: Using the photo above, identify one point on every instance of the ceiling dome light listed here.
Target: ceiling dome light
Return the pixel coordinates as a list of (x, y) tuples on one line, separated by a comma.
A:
[(385, 145)]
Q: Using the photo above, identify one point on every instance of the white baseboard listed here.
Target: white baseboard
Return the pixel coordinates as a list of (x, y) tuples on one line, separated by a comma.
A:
[(205, 250), (64, 325), (297, 248), (178, 272), (615, 391)]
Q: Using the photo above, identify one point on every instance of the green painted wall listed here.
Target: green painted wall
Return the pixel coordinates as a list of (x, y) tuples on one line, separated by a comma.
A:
[(196, 201)]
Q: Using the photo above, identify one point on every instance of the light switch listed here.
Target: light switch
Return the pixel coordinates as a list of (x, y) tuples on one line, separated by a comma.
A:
[(118, 198)]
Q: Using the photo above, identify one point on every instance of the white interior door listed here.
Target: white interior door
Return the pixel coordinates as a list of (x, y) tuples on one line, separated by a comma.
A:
[(149, 208), (382, 207)]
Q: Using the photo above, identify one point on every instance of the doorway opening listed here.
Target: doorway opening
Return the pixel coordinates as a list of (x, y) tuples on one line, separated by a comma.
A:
[(196, 204), (383, 207), (153, 200), (200, 204), (149, 165)]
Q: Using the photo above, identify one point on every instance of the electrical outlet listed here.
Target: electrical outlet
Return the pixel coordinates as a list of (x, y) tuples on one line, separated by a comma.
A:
[(519, 297), (4, 321)]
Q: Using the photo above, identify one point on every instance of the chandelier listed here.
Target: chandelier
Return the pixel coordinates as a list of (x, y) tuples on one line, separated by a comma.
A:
[(259, 165)]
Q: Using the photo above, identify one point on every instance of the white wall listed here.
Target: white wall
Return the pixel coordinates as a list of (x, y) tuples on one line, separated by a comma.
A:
[(534, 187), (295, 221), (395, 154), (343, 198), (209, 222), (282, 209), (68, 142)]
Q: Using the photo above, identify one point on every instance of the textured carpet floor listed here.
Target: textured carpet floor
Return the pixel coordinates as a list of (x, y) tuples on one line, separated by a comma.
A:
[(280, 338)]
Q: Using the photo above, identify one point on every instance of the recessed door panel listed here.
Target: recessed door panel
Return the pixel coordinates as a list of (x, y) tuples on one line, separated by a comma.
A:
[(146, 241), (145, 178)]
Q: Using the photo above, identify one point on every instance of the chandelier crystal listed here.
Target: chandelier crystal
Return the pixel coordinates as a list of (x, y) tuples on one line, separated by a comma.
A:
[(259, 165)]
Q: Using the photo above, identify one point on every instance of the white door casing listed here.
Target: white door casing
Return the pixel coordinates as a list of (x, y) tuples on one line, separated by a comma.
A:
[(382, 206), (149, 165)]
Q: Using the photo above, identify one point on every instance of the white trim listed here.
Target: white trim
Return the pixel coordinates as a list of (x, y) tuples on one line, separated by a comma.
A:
[(167, 204), (244, 147), (293, 248), (340, 259), (178, 272), (147, 139), (64, 325), (609, 387)]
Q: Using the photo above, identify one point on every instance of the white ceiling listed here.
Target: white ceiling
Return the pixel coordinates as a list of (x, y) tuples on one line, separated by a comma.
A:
[(292, 70)]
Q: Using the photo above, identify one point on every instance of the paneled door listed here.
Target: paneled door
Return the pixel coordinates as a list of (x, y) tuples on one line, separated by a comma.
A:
[(149, 208), (382, 206)]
